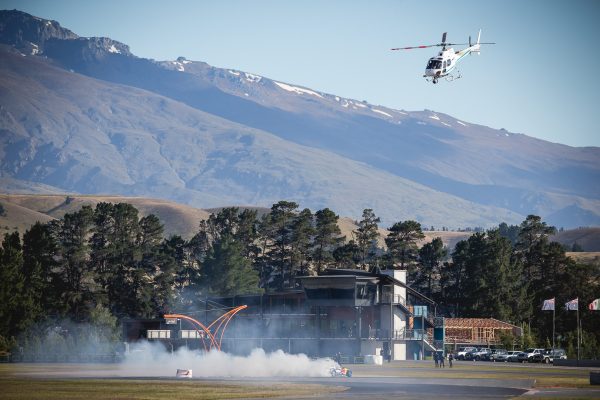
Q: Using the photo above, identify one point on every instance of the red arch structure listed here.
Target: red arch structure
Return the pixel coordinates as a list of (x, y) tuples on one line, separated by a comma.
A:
[(220, 325)]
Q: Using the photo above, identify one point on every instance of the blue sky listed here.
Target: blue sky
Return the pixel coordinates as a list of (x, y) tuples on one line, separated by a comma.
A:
[(538, 80)]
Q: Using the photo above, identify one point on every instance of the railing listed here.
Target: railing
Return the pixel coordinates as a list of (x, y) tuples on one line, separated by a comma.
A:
[(396, 299), (400, 334), (413, 334)]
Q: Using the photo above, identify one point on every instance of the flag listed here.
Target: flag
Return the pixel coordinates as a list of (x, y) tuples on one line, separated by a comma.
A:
[(548, 305), (594, 305), (572, 305)]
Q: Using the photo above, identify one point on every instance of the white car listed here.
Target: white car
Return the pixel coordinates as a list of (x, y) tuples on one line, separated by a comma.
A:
[(460, 355)]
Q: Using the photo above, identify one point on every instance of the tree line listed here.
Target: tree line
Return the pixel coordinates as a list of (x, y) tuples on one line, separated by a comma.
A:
[(110, 261)]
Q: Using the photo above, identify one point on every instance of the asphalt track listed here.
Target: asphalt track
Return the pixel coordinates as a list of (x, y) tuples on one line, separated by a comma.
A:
[(374, 388)]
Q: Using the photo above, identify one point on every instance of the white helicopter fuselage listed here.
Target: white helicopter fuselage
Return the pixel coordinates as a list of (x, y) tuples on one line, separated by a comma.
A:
[(446, 60)]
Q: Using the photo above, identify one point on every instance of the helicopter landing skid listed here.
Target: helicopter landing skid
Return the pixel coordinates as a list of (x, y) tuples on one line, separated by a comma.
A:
[(450, 77)]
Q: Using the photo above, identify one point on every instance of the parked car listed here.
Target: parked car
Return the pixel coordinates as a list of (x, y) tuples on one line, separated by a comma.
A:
[(550, 355), (482, 354), (470, 355), (462, 351), (498, 355), (530, 355), (512, 356)]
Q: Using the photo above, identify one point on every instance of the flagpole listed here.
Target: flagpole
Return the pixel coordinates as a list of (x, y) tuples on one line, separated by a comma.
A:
[(553, 327), (578, 341)]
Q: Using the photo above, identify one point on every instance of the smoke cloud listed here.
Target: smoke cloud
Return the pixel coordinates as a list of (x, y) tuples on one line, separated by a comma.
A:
[(152, 359)]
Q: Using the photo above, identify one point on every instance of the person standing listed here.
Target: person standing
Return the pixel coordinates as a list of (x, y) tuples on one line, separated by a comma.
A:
[(441, 358), (450, 358), (435, 358)]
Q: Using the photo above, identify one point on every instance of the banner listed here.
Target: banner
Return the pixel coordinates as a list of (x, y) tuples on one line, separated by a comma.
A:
[(595, 305), (572, 305), (548, 305)]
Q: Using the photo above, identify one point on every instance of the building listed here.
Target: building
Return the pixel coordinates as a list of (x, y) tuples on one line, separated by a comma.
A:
[(349, 312), (477, 331)]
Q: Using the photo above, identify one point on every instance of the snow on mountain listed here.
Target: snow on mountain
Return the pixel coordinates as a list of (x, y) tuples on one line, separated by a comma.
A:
[(295, 89)]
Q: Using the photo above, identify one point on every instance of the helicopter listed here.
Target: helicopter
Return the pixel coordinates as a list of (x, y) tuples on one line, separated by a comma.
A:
[(444, 64)]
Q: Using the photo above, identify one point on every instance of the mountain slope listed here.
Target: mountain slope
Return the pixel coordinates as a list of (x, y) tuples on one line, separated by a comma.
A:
[(471, 162), (89, 136)]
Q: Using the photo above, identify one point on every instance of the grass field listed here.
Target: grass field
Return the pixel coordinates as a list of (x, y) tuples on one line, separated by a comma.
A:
[(36, 381), (543, 375)]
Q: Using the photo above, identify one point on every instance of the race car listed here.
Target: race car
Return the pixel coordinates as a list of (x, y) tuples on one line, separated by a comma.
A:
[(340, 371)]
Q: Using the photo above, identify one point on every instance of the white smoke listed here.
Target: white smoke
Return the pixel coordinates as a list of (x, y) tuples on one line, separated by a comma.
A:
[(151, 359)]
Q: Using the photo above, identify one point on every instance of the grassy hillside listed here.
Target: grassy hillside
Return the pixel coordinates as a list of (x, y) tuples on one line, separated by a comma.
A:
[(24, 210), (19, 218), (588, 238), (586, 257), (449, 238)]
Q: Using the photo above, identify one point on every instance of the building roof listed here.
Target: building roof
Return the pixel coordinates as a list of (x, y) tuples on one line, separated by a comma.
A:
[(467, 323)]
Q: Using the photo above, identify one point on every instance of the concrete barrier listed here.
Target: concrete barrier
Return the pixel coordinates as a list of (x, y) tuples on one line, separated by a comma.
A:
[(577, 363), (373, 359)]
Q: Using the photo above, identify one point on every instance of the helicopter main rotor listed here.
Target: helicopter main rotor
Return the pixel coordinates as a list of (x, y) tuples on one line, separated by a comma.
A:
[(443, 44)]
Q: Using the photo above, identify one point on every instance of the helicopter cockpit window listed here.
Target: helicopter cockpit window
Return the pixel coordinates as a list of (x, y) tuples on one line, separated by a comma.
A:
[(434, 64)]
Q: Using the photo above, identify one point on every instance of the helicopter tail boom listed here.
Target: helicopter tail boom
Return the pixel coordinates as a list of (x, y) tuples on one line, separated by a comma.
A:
[(476, 48)]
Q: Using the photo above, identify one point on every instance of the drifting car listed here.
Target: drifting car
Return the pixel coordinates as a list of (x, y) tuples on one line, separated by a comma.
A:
[(340, 371)]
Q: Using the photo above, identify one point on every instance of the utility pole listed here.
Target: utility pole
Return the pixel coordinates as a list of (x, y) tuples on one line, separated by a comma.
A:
[(391, 322), (422, 334)]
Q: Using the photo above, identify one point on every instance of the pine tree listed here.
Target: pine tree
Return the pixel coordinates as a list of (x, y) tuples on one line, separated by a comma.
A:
[(402, 244), (187, 270), (366, 236), (347, 255), (227, 272), (453, 277), (75, 278), (302, 232), (281, 219), (531, 243), (39, 248), (12, 282), (327, 238), (430, 257)]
